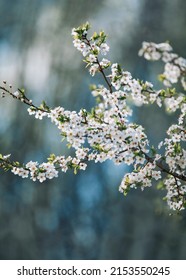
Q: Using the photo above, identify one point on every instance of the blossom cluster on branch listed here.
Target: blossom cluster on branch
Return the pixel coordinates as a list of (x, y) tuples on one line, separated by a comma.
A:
[(107, 131)]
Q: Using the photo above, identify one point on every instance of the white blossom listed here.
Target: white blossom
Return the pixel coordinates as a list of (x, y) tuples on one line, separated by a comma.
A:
[(107, 132)]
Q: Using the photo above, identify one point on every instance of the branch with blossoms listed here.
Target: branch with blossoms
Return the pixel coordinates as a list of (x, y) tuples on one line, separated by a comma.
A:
[(175, 66), (107, 132)]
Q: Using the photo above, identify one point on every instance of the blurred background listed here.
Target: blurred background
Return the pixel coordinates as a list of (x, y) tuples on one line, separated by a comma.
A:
[(82, 216)]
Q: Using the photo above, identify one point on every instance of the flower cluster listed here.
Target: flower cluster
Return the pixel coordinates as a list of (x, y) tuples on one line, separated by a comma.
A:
[(175, 66), (91, 48), (175, 193), (140, 177), (107, 132)]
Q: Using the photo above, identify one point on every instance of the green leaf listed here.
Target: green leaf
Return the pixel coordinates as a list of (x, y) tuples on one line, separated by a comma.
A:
[(161, 77), (160, 185), (63, 118), (126, 191), (51, 158), (75, 170), (69, 145), (92, 87), (95, 36), (153, 151)]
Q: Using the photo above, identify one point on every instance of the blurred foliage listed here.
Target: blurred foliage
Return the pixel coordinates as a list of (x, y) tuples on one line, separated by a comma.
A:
[(82, 216)]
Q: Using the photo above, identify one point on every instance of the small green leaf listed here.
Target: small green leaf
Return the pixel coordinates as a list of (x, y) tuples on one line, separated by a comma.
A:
[(51, 158), (69, 145), (153, 151), (160, 185)]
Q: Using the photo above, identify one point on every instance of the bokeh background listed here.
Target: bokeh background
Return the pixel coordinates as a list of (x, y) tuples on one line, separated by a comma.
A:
[(82, 216)]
